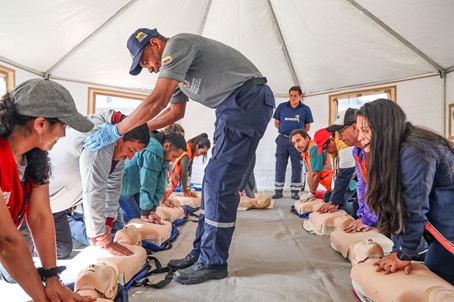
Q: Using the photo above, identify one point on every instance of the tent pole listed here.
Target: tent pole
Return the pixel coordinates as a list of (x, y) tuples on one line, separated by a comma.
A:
[(437, 67), (205, 15), (284, 46), (12, 63), (83, 42)]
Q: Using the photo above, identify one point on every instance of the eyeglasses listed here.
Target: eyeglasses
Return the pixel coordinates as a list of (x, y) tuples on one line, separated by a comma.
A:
[(325, 146), (343, 129)]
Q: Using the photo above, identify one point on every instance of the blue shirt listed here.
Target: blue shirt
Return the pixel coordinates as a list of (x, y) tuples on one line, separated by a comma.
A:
[(292, 118)]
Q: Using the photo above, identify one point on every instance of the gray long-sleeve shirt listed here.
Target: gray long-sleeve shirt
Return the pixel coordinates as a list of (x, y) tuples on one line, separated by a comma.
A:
[(80, 174)]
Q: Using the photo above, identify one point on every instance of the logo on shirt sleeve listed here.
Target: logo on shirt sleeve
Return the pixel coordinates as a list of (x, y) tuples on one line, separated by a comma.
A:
[(166, 60), (6, 196)]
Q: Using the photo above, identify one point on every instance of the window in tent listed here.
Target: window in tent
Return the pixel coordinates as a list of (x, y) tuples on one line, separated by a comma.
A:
[(103, 99), (355, 99), (7, 79)]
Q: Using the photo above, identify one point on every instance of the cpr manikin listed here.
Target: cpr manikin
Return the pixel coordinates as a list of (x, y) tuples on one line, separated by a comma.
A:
[(97, 281), (154, 232), (321, 223), (171, 214), (302, 206), (343, 242), (261, 201), (193, 202), (371, 285), (126, 267)]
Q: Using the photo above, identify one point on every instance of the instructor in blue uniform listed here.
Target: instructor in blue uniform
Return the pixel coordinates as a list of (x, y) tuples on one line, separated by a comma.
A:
[(219, 77), (289, 116)]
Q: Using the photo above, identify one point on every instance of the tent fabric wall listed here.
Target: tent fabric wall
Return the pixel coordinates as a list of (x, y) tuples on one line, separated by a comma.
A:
[(325, 46), (330, 44)]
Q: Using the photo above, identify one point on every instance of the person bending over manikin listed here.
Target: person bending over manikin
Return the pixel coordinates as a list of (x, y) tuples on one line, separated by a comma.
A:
[(261, 201), (98, 281)]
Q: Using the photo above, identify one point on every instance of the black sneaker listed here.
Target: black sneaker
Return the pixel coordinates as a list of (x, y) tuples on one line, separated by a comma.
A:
[(295, 196), (198, 273), (277, 195), (182, 263)]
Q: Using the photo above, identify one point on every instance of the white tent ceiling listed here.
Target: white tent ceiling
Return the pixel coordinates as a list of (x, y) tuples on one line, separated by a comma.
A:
[(318, 44)]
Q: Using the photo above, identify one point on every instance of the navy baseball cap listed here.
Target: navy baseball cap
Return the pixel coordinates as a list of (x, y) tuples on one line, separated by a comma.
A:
[(136, 43)]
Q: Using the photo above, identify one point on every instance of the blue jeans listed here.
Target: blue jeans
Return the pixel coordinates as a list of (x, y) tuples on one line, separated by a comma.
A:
[(129, 208), (79, 232)]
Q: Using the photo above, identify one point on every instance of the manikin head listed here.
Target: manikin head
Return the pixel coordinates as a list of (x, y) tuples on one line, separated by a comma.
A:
[(366, 249), (130, 235), (100, 277)]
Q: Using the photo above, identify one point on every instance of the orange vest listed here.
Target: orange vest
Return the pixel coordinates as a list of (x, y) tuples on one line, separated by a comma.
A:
[(326, 175), (362, 166), (175, 171)]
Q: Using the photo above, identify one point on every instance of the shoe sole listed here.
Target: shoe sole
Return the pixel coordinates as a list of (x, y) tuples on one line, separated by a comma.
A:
[(215, 276), (177, 267)]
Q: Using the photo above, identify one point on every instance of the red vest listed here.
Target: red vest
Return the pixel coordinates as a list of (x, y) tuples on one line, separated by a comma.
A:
[(12, 189)]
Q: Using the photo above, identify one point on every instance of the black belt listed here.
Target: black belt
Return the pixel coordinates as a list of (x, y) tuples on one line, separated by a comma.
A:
[(252, 82), (284, 135)]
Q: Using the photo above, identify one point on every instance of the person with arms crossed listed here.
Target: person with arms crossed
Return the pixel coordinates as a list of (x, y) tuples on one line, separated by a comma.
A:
[(219, 77), (289, 116)]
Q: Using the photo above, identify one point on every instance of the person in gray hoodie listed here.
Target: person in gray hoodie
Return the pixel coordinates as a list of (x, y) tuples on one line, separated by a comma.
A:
[(93, 178)]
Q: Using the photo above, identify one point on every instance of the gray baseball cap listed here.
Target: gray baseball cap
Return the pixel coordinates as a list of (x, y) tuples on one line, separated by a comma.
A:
[(48, 99)]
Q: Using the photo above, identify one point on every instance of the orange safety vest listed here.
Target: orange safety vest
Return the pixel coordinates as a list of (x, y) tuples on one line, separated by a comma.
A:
[(326, 175), (362, 166), (175, 171)]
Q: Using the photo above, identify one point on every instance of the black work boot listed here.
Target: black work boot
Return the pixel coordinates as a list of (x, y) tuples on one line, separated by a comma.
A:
[(183, 263), (277, 195), (198, 273), (295, 195)]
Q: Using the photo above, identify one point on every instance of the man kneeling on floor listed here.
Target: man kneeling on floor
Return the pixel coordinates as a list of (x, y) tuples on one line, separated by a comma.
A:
[(93, 178)]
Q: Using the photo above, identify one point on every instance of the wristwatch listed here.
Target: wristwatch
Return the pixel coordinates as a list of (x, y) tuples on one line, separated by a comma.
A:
[(405, 257)]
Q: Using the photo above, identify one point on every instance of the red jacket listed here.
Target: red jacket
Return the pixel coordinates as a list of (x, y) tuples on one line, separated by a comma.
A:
[(13, 191)]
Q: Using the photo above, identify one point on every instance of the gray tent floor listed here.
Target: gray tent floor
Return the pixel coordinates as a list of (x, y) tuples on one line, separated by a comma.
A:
[(272, 258)]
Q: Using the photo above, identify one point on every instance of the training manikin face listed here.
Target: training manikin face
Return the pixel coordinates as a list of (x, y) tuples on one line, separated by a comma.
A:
[(129, 234), (366, 249), (100, 277)]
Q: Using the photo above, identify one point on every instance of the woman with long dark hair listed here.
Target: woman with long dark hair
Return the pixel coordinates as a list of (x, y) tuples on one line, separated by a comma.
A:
[(182, 167), (410, 186)]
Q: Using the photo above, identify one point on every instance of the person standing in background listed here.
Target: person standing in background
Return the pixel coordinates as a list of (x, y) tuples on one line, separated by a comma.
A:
[(289, 116)]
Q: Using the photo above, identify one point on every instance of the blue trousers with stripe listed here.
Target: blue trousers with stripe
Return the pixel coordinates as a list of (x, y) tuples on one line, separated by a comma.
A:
[(241, 121)]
